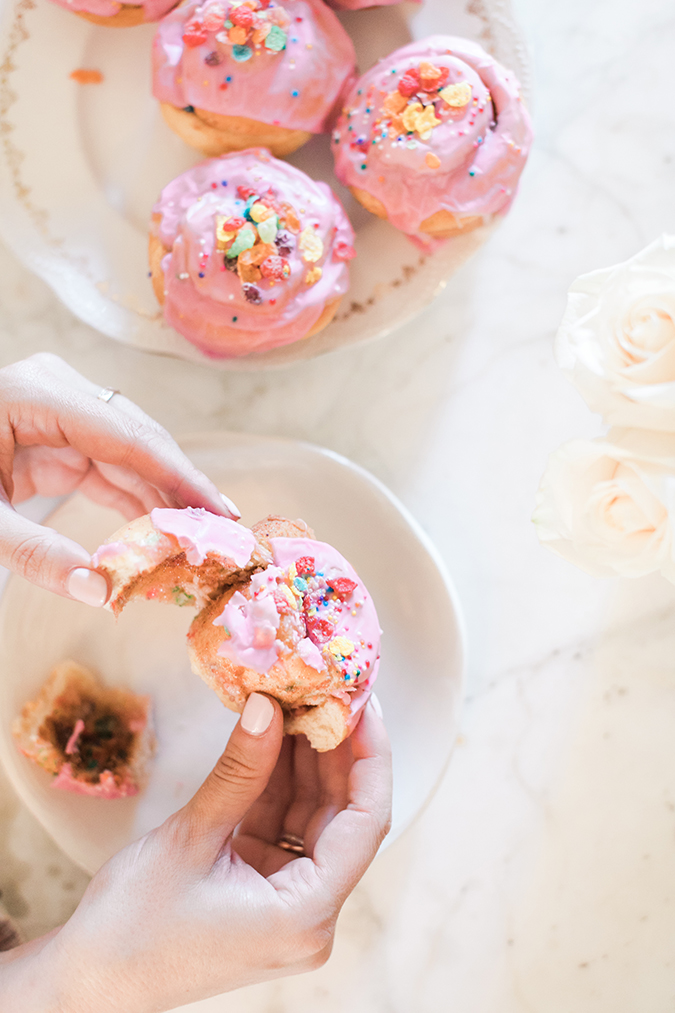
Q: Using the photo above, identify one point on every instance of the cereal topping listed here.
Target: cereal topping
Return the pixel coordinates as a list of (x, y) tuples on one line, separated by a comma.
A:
[(313, 275), (339, 632), (457, 95), (311, 245), (243, 28), (340, 647), (424, 98), (257, 241)]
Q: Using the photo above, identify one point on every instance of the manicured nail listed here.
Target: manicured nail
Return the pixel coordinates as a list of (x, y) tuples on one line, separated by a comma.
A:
[(257, 714), (377, 706), (235, 512), (88, 586)]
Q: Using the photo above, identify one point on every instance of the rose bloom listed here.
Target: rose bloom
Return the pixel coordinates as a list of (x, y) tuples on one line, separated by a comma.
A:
[(608, 505), (617, 339)]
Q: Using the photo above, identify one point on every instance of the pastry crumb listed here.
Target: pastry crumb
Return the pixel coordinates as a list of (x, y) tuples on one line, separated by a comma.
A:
[(82, 76)]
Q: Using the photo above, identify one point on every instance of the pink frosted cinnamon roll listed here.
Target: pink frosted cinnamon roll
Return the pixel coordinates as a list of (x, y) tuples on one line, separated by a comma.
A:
[(434, 138), (232, 75), (248, 253), (118, 15)]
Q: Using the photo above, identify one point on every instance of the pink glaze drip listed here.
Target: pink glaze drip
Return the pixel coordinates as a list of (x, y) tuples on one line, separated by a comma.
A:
[(317, 63), (71, 744), (252, 624), (106, 787), (357, 5), (310, 654), (211, 311), (199, 532), (479, 164), (108, 551), (153, 10)]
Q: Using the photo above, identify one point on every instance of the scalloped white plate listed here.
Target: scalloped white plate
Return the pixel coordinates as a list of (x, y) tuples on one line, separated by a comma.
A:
[(81, 167), (419, 683)]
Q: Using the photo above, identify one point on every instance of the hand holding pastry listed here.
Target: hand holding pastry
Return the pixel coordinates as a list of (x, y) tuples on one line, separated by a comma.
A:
[(59, 432), (242, 885)]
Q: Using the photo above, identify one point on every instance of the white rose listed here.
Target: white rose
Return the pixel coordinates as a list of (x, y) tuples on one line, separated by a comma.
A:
[(608, 505), (617, 339)]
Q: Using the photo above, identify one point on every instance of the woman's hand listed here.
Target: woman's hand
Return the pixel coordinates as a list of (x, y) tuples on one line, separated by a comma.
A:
[(56, 436), (208, 902)]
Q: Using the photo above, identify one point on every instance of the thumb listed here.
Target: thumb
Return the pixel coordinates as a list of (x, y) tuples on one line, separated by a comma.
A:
[(48, 559), (238, 779)]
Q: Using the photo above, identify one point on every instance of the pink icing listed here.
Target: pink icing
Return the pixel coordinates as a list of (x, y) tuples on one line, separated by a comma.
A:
[(204, 301), (357, 623), (310, 654), (481, 148), (317, 63), (253, 622), (108, 551), (357, 5), (198, 532), (71, 745), (105, 788), (153, 10)]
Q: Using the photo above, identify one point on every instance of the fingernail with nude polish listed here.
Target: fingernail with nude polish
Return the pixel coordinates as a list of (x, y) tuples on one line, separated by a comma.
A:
[(257, 714), (235, 512), (376, 705), (88, 586)]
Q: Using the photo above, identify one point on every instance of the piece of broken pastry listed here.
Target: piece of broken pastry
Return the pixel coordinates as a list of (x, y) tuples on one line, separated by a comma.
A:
[(278, 612), (95, 739)]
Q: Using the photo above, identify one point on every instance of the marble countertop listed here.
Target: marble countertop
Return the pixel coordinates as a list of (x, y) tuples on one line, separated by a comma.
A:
[(542, 875)]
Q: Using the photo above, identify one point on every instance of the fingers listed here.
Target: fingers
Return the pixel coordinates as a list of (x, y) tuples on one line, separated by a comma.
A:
[(57, 471), (48, 559), (306, 794), (265, 818), (98, 490), (106, 433), (236, 782), (347, 846), (47, 402), (333, 770), (47, 471)]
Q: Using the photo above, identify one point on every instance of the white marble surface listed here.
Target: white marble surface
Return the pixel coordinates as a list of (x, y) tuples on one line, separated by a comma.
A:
[(541, 879)]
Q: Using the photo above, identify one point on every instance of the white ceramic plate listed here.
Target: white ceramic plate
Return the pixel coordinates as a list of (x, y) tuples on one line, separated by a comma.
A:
[(420, 678), (81, 167)]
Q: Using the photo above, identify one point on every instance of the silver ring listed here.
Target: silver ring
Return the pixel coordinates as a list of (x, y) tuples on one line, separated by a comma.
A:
[(291, 842), (106, 394)]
